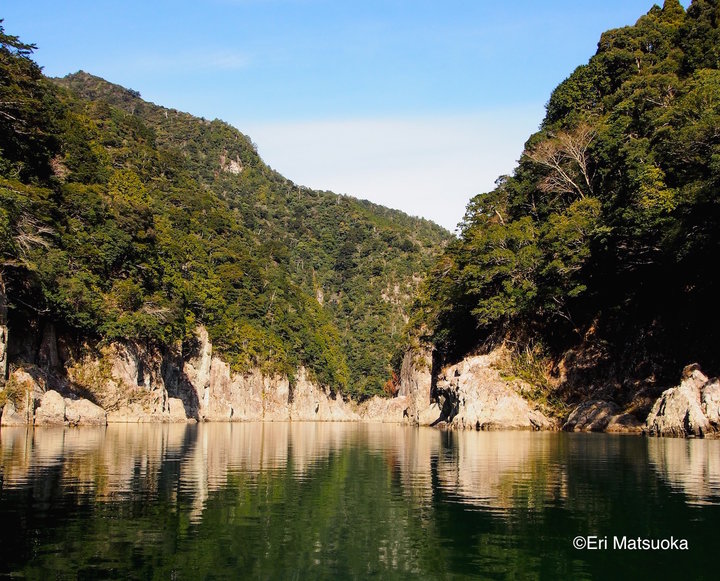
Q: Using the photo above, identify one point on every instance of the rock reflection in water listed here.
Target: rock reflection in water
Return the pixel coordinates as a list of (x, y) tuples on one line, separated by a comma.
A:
[(324, 500), (494, 470), (502, 470), (688, 466)]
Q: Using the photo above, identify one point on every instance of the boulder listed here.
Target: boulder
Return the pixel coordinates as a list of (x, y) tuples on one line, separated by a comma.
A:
[(624, 424), (679, 410), (51, 411), (82, 412)]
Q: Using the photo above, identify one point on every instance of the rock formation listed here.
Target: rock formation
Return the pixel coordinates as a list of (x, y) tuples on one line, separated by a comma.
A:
[(22, 393), (690, 409), (82, 412), (130, 383), (473, 395), (51, 411)]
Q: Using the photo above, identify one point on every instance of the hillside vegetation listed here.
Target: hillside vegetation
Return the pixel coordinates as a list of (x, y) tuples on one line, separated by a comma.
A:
[(601, 250), (123, 220)]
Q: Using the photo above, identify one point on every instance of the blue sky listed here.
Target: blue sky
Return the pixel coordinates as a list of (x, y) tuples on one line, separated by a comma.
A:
[(416, 104)]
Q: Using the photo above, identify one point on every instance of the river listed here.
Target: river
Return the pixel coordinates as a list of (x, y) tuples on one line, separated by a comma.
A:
[(332, 501)]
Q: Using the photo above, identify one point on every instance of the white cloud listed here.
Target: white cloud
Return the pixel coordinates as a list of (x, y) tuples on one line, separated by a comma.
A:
[(425, 166)]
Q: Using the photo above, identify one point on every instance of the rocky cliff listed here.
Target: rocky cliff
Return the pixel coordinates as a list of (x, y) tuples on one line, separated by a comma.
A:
[(471, 394), (71, 384), (474, 395), (690, 409), (130, 382)]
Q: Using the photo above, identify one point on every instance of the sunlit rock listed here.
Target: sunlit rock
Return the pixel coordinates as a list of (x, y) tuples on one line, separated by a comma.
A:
[(473, 395), (680, 411), (51, 410)]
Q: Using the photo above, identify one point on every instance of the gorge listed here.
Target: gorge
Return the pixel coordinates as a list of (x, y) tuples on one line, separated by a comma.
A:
[(154, 268)]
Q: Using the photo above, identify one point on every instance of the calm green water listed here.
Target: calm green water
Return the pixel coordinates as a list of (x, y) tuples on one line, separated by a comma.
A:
[(336, 501)]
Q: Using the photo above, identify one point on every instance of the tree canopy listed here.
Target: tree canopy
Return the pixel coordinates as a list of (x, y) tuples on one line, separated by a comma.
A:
[(153, 221), (607, 233)]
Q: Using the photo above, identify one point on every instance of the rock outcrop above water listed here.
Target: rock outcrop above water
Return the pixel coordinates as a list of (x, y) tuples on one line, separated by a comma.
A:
[(22, 392), (690, 409), (82, 412), (473, 395), (55, 410), (51, 411), (129, 383)]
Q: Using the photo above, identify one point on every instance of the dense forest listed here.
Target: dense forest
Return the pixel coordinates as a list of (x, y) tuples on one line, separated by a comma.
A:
[(596, 259), (600, 252), (123, 220)]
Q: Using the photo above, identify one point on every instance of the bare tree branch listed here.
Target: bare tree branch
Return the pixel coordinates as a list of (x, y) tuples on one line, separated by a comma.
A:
[(566, 157)]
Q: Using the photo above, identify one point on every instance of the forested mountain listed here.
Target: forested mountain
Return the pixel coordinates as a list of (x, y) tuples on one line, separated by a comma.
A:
[(120, 219), (601, 251)]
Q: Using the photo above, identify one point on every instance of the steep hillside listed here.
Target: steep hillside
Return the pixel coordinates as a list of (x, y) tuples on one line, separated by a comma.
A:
[(125, 220), (598, 257)]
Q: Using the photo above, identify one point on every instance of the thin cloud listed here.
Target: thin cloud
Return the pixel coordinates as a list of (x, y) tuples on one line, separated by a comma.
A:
[(425, 166)]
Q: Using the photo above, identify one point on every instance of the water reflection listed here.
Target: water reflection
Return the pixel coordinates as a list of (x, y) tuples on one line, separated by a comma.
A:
[(341, 500), (498, 471), (691, 467)]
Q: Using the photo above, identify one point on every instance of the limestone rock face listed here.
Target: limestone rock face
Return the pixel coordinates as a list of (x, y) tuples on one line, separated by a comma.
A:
[(429, 415), (135, 384), (125, 379), (196, 371), (691, 409), (12, 417), (176, 410), (416, 385), (132, 382), (82, 412), (240, 397), (26, 393), (473, 395), (51, 411), (710, 402), (312, 403), (387, 410), (216, 393)]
